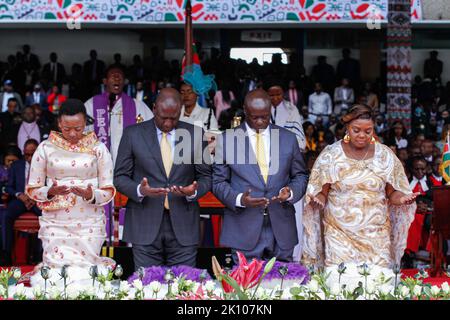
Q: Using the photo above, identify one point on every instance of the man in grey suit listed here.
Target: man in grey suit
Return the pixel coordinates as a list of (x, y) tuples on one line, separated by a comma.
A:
[(161, 169), (258, 180)]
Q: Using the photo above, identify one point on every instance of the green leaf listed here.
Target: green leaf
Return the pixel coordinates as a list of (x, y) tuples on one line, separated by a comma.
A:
[(170, 17), (291, 16), (49, 16), (66, 3), (309, 3), (236, 287), (295, 291)]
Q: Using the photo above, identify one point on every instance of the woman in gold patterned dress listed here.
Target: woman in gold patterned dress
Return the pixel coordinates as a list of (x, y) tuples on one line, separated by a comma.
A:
[(71, 179), (358, 202)]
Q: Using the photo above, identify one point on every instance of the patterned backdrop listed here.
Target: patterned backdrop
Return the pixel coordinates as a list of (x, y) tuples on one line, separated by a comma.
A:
[(204, 11), (399, 62)]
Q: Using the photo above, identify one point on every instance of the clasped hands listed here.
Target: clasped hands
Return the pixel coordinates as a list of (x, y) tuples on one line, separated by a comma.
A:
[(148, 191), (57, 190), (249, 202)]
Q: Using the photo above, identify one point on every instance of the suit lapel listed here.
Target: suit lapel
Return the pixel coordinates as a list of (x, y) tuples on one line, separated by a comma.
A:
[(151, 140)]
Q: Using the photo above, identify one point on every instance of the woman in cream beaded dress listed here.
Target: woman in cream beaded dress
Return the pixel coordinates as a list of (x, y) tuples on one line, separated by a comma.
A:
[(71, 179), (359, 205)]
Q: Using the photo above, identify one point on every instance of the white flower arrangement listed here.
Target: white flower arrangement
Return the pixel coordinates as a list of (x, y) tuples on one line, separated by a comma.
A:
[(366, 283)]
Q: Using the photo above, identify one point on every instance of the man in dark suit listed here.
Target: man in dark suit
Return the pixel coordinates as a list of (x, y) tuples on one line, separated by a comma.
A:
[(349, 68), (143, 95), (10, 121), (53, 72), (20, 203), (163, 183), (93, 71), (259, 182), (38, 96), (30, 60)]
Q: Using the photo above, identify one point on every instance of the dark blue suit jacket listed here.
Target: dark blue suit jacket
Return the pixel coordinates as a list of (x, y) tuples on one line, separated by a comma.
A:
[(43, 100), (16, 178)]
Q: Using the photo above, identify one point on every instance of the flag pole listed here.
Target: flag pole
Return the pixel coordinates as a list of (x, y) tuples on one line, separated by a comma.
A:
[(189, 38)]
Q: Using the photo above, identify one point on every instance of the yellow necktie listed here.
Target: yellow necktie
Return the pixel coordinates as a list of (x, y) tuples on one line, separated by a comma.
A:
[(261, 157), (166, 153)]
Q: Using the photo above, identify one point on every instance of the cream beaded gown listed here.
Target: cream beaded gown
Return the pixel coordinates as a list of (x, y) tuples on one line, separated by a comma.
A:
[(358, 225), (72, 229)]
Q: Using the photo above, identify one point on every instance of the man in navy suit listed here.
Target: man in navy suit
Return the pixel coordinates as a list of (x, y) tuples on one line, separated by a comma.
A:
[(20, 203), (38, 96), (258, 174)]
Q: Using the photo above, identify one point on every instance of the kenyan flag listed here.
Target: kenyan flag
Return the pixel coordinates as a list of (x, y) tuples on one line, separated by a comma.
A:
[(445, 166)]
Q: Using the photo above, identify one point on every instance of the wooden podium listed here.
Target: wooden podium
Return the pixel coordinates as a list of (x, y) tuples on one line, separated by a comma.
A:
[(440, 229)]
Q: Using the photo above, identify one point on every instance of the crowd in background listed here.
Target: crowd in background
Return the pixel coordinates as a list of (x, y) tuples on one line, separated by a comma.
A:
[(33, 91)]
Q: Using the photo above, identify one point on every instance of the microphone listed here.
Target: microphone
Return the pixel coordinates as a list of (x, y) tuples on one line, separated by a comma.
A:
[(112, 99)]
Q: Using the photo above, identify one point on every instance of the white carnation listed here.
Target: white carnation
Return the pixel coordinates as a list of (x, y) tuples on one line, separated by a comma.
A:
[(17, 273), (155, 286), (335, 289), (20, 289), (445, 288), (404, 291), (435, 290), (37, 291), (313, 286), (417, 290), (107, 287), (54, 292), (210, 285), (385, 289), (138, 284), (124, 286)]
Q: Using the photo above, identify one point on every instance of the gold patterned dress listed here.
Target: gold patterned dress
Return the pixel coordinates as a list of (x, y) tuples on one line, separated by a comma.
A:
[(72, 229), (357, 225)]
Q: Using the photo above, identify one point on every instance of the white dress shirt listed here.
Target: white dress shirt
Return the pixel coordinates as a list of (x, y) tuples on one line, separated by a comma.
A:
[(423, 183), (171, 138), (140, 95), (37, 97), (252, 138), (6, 97), (320, 104)]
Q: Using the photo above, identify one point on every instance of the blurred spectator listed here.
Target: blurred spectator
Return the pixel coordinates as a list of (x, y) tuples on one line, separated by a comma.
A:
[(324, 73), (8, 93), (93, 71), (53, 72), (10, 121), (294, 95), (349, 68), (223, 98), (433, 67), (38, 96), (319, 104), (311, 136), (344, 97)]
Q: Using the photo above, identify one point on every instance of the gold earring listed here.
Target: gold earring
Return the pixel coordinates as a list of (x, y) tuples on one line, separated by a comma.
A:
[(346, 138), (372, 141)]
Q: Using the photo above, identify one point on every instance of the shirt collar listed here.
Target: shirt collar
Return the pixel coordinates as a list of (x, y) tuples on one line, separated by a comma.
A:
[(253, 132), (159, 132)]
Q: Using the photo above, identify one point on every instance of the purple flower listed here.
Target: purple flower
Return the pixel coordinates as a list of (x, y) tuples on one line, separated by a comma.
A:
[(157, 274)]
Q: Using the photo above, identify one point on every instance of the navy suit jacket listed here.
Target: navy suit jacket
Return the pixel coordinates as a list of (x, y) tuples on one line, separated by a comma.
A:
[(16, 178), (43, 100), (235, 171)]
